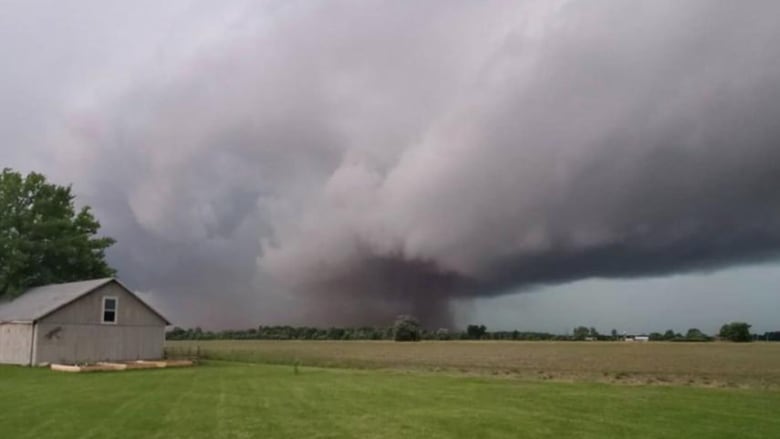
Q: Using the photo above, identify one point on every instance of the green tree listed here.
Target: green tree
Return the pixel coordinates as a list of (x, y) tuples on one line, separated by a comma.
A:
[(443, 334), (476, 332), (694, 334), (735, 331), (406, 328), (43, 238), (580, 332)]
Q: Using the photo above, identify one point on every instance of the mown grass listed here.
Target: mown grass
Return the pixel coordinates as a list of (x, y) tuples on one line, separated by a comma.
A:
[(754, 365), (239, 400)]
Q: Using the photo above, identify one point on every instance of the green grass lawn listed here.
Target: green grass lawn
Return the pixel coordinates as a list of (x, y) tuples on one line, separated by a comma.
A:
[(235, 400)]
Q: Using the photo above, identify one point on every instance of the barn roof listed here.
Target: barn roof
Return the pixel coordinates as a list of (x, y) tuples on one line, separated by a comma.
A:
[(39, 302)]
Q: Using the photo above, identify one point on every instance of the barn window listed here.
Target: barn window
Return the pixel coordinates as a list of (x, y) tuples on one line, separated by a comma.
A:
[(110, 305)]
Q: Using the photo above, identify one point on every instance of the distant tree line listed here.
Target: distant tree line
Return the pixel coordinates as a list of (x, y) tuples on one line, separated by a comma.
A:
[(771, 336), (407, 328), (404, 332), (283, 333), (693, 334), (582, 333)]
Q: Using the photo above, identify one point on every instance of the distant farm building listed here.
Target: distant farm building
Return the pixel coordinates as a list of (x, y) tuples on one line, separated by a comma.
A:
[(80, 322), (638, 338)]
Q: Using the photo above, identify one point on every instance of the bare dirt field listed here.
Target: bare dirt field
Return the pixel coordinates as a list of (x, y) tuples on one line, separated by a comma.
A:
[(750, 365)]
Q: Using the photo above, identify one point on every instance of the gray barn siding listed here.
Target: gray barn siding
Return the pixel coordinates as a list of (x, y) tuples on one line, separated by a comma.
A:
[(90, 343), (15, 343), (87, 309), (75, 332)]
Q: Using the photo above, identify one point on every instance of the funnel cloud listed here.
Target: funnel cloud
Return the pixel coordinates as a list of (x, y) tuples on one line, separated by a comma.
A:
[(345, 162)]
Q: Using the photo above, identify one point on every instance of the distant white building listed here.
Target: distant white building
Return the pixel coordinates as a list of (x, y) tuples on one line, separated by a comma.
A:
[(637, 338)]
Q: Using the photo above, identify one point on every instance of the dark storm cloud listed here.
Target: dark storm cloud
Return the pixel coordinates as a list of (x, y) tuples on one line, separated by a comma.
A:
[(345, 162), (606, 144)]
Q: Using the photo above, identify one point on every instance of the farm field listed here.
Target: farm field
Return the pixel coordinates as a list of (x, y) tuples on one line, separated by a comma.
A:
[(244, 400), (750, 365)]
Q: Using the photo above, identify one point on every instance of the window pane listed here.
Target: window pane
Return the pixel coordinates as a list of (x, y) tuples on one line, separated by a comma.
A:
[(109, 316), (109, 304)]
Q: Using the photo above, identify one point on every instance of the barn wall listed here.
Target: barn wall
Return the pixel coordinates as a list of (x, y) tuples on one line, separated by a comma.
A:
[(76, 334), (72, 343), (88, 309), (15, 343)]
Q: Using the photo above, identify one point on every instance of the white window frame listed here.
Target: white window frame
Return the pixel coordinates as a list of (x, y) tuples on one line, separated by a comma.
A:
[(103, 311)]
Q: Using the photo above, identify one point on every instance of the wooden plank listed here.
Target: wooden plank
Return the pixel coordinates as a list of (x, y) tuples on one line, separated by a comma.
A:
[(108, 366), (179, 363), (112, 366), (154, 363), (65, 368)]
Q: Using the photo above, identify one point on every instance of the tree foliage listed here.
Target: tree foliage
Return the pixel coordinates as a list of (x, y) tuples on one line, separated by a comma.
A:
[(287, 332), (670, 335), (735, 331), (581, 333), (406, 328), (43, 238), (476, 332), (695, 334), (771, 336)]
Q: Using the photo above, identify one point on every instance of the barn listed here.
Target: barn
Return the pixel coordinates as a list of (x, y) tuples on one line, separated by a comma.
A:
[(80, 322)]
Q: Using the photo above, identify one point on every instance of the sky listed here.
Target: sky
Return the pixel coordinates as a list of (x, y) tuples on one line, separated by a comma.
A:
[(523, 164)]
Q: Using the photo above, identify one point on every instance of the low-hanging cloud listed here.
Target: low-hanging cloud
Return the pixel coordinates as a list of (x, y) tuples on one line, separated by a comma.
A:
[(341, 163)]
